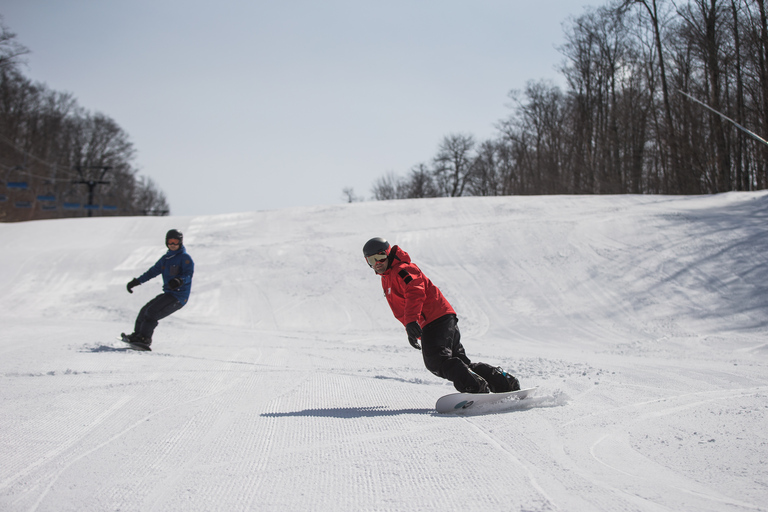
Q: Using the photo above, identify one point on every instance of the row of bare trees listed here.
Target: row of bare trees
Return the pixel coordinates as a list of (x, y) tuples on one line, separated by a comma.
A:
[(623, 124), (59, 160)]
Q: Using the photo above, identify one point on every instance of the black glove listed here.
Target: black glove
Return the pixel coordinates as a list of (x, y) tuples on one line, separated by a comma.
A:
[(414, 333), (133, 284), (175, 283)]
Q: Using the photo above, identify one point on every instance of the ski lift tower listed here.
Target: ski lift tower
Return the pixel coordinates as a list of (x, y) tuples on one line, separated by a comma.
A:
[(92, 183)]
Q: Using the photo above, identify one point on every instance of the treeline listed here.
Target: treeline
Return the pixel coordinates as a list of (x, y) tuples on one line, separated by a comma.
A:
[(59, 160), (622, 124)]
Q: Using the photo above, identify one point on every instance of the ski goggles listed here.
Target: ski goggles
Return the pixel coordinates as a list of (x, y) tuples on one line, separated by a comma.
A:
[(375, 258), (173, 241)]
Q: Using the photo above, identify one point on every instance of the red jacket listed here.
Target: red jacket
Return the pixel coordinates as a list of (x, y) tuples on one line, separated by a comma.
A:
[(410, 293)]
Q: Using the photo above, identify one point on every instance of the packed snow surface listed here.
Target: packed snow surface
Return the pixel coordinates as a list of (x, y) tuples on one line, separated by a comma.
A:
[(287, 384)]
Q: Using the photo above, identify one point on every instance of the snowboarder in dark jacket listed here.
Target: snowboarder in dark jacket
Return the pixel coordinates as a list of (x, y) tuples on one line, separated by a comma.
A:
[(427, 315), (176, 268)]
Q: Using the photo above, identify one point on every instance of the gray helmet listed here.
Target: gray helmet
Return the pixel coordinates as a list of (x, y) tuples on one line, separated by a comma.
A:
[(175, 234), (375, 246)]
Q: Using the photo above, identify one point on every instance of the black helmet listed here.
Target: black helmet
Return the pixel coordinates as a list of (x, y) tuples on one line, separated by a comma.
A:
[(175, 234), (375, 246)]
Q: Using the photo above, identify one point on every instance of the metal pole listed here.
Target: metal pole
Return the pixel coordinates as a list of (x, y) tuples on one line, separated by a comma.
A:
[(748, 132), (91, 183)]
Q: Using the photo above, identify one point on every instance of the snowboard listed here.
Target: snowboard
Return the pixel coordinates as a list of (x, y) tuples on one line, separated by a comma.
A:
[(135, 346), (458, 402)]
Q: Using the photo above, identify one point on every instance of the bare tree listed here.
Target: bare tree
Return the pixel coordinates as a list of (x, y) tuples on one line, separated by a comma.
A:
[(487, 177), (389, 187), (149, 199), (453, 164), (421, 183), (539, 123), (656, 16), (704, 29), (349, 195), (756, 51), (10, 49)]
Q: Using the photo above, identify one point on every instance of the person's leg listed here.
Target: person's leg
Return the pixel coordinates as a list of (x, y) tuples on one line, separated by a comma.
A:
[(155, 310), (444, 355), (498, 380)]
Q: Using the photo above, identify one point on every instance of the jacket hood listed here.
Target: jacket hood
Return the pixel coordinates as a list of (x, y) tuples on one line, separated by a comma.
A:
[(397, 254)]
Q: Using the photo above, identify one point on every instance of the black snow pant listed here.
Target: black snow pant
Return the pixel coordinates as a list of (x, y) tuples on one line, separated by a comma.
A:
[(444, 356), (158, 308)]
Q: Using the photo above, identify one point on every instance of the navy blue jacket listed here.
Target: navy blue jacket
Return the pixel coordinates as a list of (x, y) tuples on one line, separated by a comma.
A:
[(173, 264)]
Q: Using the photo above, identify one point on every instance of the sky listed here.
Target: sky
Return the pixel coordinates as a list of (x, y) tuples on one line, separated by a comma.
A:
[(247, 105), (285, 384)]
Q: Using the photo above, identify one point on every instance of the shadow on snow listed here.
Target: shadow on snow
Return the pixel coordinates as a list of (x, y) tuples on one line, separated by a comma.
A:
[(349, 412)]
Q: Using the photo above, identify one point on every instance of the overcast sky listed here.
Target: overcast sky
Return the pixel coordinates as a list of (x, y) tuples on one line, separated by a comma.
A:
[(243, 105)]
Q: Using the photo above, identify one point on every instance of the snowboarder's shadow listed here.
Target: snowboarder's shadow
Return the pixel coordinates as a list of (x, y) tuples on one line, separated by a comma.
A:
[(349, 412), (105, 348)]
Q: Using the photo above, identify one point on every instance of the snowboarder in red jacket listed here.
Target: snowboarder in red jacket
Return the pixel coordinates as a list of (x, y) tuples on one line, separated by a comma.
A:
[(427, 315)]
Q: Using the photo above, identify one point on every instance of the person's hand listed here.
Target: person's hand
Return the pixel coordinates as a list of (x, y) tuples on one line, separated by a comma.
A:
[(414, 333), (175, 283), (133, 284)]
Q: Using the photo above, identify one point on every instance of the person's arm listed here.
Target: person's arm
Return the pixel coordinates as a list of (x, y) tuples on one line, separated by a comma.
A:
[(415, 294)]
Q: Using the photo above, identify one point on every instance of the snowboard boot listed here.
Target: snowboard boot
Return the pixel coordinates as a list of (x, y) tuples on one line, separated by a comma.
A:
[(137, 341), (514, 384), (478, 384), (498, 380), (141, 345)]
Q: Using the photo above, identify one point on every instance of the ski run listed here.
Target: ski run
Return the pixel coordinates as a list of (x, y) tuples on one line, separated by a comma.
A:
[(285, 384)]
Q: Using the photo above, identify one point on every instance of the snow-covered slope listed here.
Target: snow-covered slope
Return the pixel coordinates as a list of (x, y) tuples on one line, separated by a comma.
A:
[(286, 384)]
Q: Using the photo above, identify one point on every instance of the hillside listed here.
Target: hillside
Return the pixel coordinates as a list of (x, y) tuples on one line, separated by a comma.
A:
[(286, 384)]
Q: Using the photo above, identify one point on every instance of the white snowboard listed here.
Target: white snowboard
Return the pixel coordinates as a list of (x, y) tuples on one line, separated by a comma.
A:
[(457, 402)]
